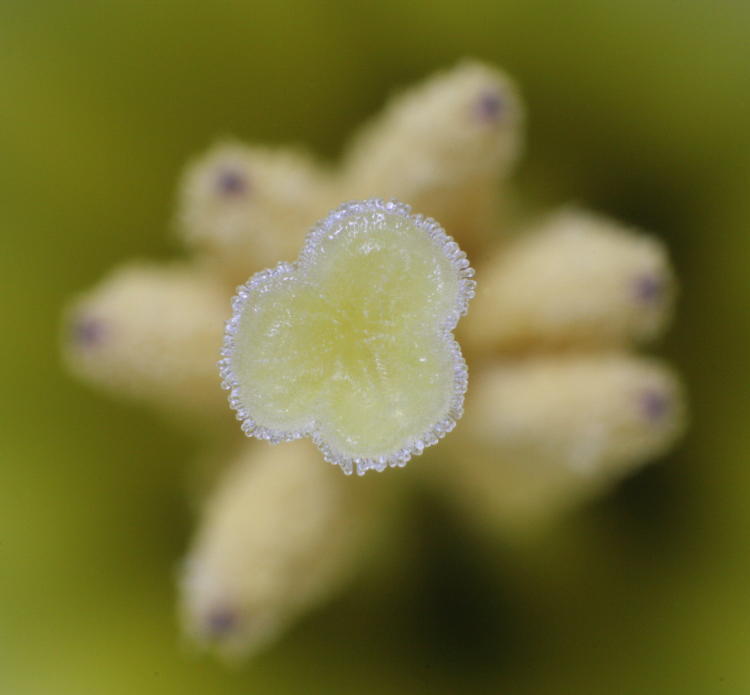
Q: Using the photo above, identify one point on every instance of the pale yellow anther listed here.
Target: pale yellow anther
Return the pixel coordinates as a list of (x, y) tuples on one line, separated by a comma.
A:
[(352, 345), (589, 413), (540, 434), (151, 332), (275, 537), (443, 147), (247, 207), (577, 281)]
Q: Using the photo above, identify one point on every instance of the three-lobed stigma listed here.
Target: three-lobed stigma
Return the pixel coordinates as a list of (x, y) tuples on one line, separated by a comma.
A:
[(352, 344)]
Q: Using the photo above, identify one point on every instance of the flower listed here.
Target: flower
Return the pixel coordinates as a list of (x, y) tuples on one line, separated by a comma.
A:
[(559, 407)]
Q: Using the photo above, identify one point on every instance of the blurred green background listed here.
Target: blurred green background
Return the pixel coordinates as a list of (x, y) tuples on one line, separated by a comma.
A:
[(639, 109)]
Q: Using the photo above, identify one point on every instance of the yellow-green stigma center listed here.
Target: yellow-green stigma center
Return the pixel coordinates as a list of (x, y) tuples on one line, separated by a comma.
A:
[(352, 345)]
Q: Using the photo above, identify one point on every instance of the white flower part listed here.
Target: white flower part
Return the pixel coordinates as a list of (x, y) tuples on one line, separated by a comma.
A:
[(352, 344), (576, 279), (253, 566), (150, 332)]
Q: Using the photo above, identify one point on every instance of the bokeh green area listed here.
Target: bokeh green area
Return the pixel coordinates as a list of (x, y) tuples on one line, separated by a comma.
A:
[(639, 109)]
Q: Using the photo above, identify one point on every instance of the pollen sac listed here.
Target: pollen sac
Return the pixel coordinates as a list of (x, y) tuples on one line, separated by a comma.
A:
[(275, 537), (577, 281), (596, 415), (543, 434), (151, 333), (247, 208), (442, 148), (352, 344)]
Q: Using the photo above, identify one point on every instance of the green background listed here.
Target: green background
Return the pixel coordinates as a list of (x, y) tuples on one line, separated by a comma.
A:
[(639, 109)]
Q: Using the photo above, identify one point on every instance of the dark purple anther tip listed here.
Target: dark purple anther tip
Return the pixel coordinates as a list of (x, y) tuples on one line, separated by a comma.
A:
[(490, 105), (654, 404), (87, 331), (648, 288), (230, 183), (221, 621)]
